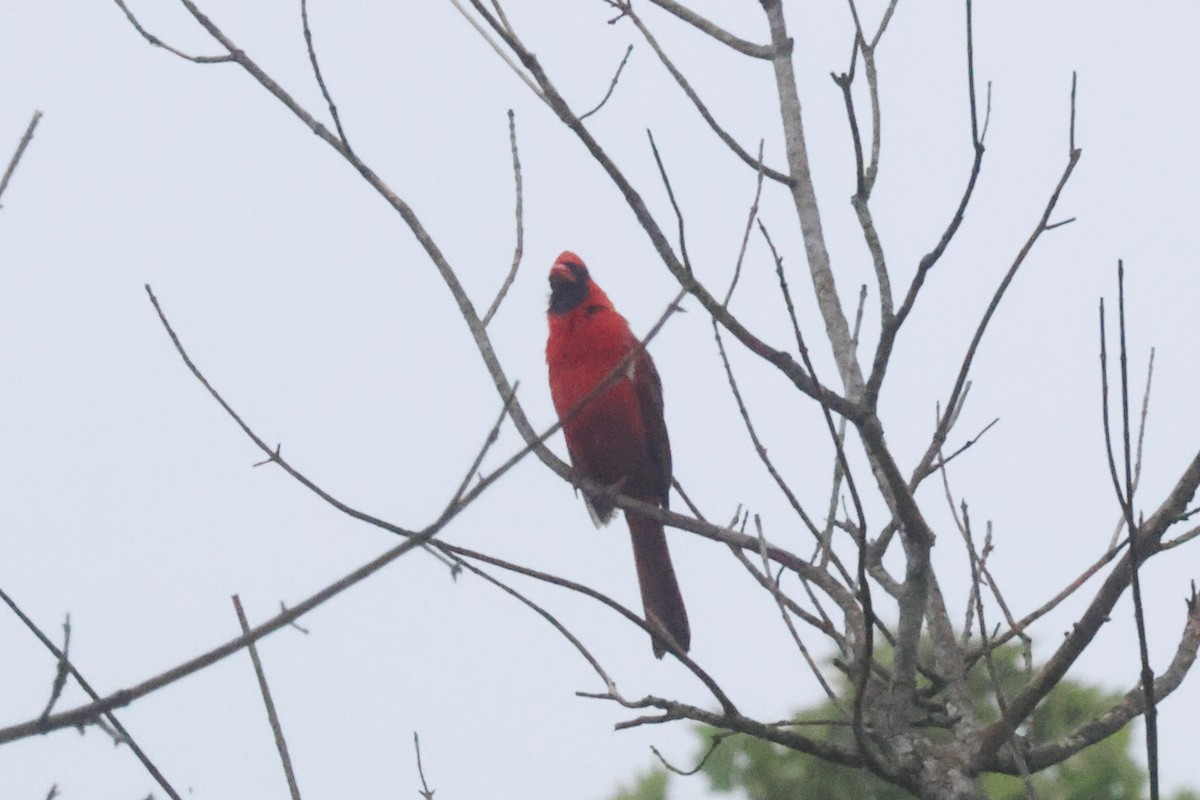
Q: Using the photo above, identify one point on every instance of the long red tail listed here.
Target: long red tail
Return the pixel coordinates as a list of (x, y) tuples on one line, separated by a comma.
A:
[(656, 576)]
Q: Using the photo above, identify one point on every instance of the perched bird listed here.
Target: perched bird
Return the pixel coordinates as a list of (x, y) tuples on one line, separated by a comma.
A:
[(618, 437)]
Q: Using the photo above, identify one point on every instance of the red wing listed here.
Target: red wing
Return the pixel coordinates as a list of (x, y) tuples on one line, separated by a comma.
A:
[(658, 446)]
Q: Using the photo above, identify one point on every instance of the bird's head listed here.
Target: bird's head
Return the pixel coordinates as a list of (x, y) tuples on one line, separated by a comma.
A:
[(570, 284)]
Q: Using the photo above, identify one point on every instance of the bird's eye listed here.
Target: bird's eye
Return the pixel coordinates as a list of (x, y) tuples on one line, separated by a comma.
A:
[(578, 270)]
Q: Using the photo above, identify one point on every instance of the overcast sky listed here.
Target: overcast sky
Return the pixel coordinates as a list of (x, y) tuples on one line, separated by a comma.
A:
[(129, 501)]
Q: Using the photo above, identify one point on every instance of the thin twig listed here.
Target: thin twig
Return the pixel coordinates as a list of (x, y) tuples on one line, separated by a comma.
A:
[(662, 171), (1137, 467), (750, 218), (487, 37), (777, 593), (944, 460), (780, 359), (1127, 505), (62, 670), (16, 158), (111, 718), (86, 713), (865, 656), (714, 742), (1182, 538), (993, 674), (519, 249), (720, 34), (579, 588), (488, 441), (305, 631), (1020, 626), (1097, 613), (546, 615), (1118, 715), (826, 543), (274, 455), (424, 791), (759, 448), (154, 40), (611, 87), (771, 583), (276, 728), (312, 57), (701, 107), (939, 436), (475, 491), (482, 485), (82, 715), (891, 326)]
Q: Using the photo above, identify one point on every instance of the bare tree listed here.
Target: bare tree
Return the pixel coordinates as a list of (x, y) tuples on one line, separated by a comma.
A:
[(870, 577)]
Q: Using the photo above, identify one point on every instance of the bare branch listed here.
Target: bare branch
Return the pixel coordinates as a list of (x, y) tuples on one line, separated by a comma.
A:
[(276, 728), (977, 562), (62, 670), (20, 151), (1019, 627), (662, 171), (111, 718), (1183, 538), (1125, 498), (844, 82), (312, 57), (82, 715), (546, 615), (520, 73), (713, 743), (1137, 467), (479, 487), (826, 543), (759, 448), (154, 40), (943, 428), (686, 85), (944, 460), (490, 440), (805, 200), (771, 583), (779, 734), (1151, 533), (750, 218), (611, 87), (425, 792), (865, 175), (777, 593), (579, 588), (715, 31), (1119, 715), (866, 645), (781, 360), (891, 327)]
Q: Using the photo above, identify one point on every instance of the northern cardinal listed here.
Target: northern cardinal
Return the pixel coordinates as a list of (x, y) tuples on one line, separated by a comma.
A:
[(617, 438)]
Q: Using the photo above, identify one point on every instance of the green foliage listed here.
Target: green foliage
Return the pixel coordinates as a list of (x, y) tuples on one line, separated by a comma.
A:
[(766, 771), (759, 770), (650, 786)]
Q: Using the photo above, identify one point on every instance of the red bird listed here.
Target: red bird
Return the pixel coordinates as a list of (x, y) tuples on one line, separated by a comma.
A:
[(617, 438)]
